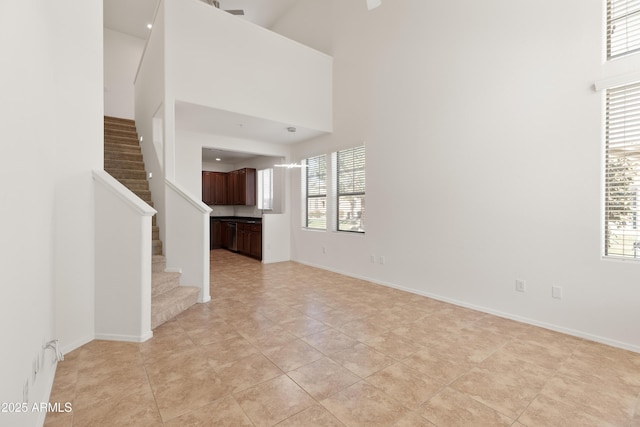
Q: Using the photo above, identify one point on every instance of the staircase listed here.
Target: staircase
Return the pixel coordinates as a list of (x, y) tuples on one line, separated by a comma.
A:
[(123, 160)]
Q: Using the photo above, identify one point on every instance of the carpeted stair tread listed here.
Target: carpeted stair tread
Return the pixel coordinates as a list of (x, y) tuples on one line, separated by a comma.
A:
[(158, 263), (120, 174), (123, 155), (169, 304), (164, 281)]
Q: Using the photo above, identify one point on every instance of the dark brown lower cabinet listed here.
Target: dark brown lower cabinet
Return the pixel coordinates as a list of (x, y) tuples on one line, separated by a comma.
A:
[(250, 240), (248, 237)]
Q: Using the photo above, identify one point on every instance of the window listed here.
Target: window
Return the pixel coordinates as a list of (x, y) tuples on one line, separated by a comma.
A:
[(623, 27), (622, 172), (316, 192), (350, 183), (265, 189)]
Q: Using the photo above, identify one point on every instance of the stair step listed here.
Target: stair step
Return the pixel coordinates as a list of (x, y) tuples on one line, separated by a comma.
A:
[(121, 132), (158, 264), (120, 139), (122, 155), (123, 164), (157, 247), (169, 304), (135, 184), (120, 174), (119, 121), (155, 232), (112, 147), (163, 281)]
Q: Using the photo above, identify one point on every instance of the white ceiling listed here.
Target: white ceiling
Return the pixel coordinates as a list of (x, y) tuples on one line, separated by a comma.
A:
[(132, 16)]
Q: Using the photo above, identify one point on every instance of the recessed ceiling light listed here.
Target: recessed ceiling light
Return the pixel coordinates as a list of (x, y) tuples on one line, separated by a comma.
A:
[(149, 26), (218, 159)]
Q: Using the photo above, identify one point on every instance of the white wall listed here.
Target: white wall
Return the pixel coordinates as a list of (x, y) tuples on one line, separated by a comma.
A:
[(51, 135), (122, 54), (219, 61), (483, 136)]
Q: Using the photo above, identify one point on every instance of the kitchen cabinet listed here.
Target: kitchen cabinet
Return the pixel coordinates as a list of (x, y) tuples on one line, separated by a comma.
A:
[(219, 188), (216, 234), (250, 239), (207, 181), (237, 187)]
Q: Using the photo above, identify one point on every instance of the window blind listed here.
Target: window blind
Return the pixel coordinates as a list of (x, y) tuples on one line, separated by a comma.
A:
[(623, 27), (622, 172), (316, 189), (351, 185)]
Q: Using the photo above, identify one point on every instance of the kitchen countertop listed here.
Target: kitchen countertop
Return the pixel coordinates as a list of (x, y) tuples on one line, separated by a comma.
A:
[(245, 219)]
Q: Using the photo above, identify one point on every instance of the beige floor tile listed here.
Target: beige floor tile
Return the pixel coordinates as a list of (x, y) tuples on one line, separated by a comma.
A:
[(413, 419), (406, 385), (409, 345), (134, 408), (292, 355), (303, 326), (192, 364), (502, 326), (273, 336), (323, 378), (227, 351), (599, 400), (58, 419), (549, 357), (544, 411), (222, 412), (315, 416), (362, 329), (452, 408), (437, 365), (393, 345), (362, 360), (93, 387), (247, 372), (507, 393), (330, 341), (273, 401), (364, 405), (185, 394)]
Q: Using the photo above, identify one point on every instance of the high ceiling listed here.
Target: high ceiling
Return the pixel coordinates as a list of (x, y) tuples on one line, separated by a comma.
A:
[(132, 16)]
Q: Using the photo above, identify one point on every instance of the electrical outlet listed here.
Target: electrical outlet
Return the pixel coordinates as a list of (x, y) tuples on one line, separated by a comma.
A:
[(521, 286), (324, 250), (382, 260), (556, 292), (372, 258)]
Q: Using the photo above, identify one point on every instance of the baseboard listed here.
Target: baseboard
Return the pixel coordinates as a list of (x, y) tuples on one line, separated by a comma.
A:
[(510, 316), (125, 338), (68, 348)]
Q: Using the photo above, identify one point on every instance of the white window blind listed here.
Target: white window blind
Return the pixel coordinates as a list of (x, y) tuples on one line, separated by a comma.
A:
[(623, 27), (316, 192), (265, 189), (622, 172), (351, 189)]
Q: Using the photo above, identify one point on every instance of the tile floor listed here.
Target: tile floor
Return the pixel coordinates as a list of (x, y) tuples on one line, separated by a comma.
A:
[(290, 345)]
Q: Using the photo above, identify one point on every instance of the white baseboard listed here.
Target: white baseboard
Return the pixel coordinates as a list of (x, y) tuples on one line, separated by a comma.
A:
[(125, 338)]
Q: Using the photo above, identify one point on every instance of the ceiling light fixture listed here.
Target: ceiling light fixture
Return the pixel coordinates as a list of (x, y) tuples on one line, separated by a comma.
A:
[(291, 129), (290, 166), (372, 4), (149, 26), (218, 159)]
